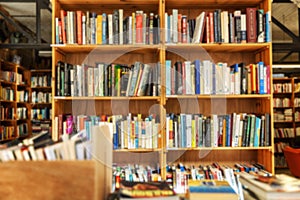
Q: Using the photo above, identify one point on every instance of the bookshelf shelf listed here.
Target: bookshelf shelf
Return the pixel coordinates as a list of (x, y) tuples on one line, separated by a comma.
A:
[(137, 150), (248, 47), (7, 82), (150, 98), (219, 148), (106, 48), (212, 96), (41, 88)]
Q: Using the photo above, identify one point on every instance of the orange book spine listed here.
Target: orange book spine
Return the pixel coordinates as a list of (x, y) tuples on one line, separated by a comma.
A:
[(63, 25), (211, 27), (79, 26)]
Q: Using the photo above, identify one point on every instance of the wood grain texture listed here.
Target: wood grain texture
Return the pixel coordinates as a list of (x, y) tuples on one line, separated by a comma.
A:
[(47, 180)]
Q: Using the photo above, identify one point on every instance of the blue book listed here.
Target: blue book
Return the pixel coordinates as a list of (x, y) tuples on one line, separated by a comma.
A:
[(257, 131), (93, 28), (228, 133), (104, 28), (267, 20), (183, 130), (211, 189), (197, 77), (168, 77), (260, 67)]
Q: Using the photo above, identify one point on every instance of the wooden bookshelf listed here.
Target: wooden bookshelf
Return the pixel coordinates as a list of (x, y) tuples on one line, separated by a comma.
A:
[(18, 83), (289, 92), (41, 99), (192, 104)]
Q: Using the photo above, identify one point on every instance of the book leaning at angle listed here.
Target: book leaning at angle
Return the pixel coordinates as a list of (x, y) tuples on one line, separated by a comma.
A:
[(211, 189), (278, 187), (146, 190)]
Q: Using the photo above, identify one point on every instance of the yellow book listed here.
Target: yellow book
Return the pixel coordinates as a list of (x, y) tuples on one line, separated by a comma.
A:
[(99, 29), (193, 134)]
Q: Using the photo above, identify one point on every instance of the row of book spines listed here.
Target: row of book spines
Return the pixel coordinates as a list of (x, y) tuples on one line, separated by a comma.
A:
[(23, 96), (91, 28), (67, 124), (7, 132), (7, 93), (41, 113), (234, 130), (107, 80), (214, 171), (205, 77), (284, 133), (7, 113), (8, 76), (136, 134), (41, 97), (41, 81), (219, 27)]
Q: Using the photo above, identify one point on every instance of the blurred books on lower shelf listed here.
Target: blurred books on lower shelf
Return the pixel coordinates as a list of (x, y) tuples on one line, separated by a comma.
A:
[(146, 190), (276, 187), (211, 189)]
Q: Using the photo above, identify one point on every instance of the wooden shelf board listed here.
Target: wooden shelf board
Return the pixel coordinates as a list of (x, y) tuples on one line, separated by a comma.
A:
[(220, 47), (219, 148), (40, 71), (108, 98), (210, 3), (219, 96), (68, 48), (137, 150), (7, 82), (41, 88), (7, 101)]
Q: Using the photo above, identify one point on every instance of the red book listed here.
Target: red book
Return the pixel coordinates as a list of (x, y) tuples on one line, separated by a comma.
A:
[(211, 27), (139, 27), (184, 28), (79, 26), (251, 24), (63, 15)]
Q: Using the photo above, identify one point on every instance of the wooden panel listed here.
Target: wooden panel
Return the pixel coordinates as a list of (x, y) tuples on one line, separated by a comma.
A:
[(209, 156), (47, 180)]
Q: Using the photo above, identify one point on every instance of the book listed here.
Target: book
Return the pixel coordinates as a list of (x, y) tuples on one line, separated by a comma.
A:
[(146, 190), (211, 189), (280, 186), (199, 28)]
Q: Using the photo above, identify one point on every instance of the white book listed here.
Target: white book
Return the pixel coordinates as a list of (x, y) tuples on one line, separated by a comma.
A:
[(207, 76), (79, 80), (90, 81), (219, 78), (83, 29), (175, 25), (225, 26), (243, 28), (110, 29), (144, 80), (188, 82), (40, 154), (72, 79), (226, 78), (96, 81), (121, 26), (129, 30), (168, 144), (166, 27), (188, 118), (214, 132), (193, 78), (100, 68), (199, 28)]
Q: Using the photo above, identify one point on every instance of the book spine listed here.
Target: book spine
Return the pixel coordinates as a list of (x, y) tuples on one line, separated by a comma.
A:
[(251, 25), (79, 26), (260, 25)]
